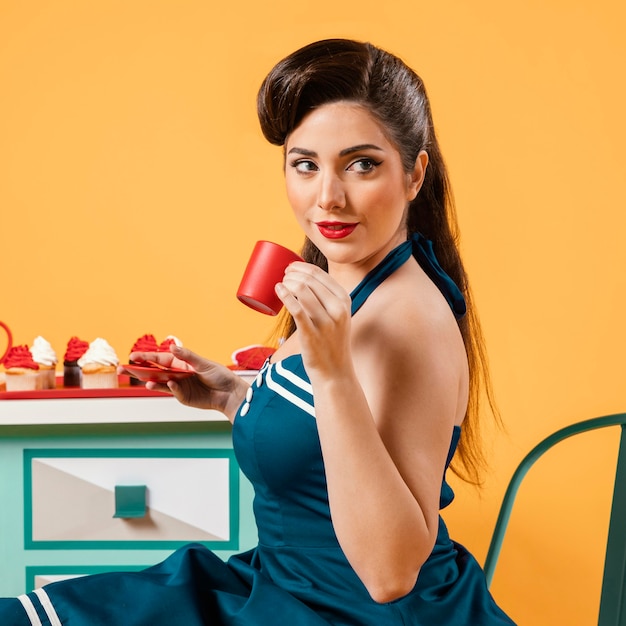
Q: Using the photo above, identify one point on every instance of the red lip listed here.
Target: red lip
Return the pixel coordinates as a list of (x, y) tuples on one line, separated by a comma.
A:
[(336, 230)]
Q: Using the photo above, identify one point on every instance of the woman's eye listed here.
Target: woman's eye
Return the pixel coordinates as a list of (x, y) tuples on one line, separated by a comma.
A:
[(303, 166), (365, 165)]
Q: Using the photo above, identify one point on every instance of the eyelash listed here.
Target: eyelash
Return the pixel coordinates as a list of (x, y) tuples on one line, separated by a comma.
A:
[(299, 162), (372, 165)]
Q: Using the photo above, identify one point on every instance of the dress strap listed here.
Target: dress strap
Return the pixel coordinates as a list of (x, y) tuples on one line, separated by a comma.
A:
[(422, 249)]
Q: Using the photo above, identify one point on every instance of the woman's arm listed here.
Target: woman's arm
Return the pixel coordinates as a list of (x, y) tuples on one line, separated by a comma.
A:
[(214, 386), (386, 398)]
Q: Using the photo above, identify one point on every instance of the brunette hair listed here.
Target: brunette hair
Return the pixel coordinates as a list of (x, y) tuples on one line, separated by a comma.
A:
[(335, 70)]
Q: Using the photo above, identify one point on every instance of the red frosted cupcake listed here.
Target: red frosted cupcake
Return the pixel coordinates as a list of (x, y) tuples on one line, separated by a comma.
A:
[(22, 373), (145, 343), (251, 357), (164, 346), (71, 371)]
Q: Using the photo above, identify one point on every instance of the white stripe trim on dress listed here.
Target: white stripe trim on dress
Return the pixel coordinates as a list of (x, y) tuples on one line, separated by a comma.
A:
[(291, 397), (48, 608), (27, 603), (292, 378)]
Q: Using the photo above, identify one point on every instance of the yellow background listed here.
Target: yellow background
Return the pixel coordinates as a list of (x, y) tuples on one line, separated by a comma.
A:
[(134, 182)]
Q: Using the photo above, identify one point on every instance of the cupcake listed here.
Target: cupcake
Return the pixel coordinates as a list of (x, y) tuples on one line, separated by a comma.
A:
[(164, 346), (98, 366), (71, 370), (251, 357), (46, 358), (22, 373), (145, 343)]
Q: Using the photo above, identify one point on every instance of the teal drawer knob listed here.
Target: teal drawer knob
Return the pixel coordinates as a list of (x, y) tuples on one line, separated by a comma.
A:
[(130, 501)]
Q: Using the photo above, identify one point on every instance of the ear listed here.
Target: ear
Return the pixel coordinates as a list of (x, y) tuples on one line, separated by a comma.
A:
[(416, 177)]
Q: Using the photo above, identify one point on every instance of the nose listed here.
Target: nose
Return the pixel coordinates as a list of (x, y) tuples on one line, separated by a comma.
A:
[(331, 192)]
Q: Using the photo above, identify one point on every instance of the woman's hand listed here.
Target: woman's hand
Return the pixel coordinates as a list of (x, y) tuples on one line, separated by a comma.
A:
[(321, 309), (214, 386)]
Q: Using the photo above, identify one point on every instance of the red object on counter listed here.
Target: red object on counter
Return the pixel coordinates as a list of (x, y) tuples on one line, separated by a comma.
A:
[(251, 357), (75, 349), (20, 356), (165, 345), (145, 343), (157, 374)]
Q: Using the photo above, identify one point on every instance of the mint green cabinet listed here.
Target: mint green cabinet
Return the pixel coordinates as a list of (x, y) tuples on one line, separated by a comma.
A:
[(102, 485)]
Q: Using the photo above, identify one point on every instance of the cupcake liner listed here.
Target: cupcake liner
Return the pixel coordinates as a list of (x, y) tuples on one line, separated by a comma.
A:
[(23, 381), (99, 380)]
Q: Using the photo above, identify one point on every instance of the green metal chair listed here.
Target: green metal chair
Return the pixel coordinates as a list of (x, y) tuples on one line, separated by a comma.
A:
[(613, 596)]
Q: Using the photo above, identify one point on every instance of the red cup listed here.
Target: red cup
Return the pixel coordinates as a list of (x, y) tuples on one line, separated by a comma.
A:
[(265, 268)]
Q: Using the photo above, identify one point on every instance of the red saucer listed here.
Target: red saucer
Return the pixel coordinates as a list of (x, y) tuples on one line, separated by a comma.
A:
[(156, 374)]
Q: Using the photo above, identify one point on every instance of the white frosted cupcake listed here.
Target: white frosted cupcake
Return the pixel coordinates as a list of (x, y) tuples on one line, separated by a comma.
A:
[(46, 358), (99, 366)]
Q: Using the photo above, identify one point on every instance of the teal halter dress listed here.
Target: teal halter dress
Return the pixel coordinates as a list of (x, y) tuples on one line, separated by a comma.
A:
[(297, 575)]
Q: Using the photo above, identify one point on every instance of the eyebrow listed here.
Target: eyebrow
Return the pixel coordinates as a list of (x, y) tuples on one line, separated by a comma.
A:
[(344, 152)]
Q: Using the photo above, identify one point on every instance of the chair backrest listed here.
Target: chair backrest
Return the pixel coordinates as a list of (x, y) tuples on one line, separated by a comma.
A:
[(613, 598)]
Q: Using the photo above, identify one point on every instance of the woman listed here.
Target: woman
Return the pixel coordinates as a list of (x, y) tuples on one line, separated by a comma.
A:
[(348, 430)]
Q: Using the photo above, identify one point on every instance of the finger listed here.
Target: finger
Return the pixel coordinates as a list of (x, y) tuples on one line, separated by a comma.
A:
[(174, 388), (288, 299), (308, 271), (305, 308), (162, 387), (197, 362), (303, 285), (181, 393), (318, 299), (164, 358)]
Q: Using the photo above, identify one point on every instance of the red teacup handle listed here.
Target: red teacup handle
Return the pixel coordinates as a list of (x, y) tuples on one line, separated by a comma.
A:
[(9, 340)]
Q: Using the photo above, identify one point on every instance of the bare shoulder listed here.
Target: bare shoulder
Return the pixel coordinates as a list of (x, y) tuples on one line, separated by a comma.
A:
[(407, 316), (408, 347)]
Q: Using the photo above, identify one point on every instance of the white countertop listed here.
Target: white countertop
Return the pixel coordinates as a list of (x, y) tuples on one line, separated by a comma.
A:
[(128, 410)]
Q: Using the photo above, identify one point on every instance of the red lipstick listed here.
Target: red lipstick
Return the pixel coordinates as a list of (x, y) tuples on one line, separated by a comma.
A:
[(335, 230)]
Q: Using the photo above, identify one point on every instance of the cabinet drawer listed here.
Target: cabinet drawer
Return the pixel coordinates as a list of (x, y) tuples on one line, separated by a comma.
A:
[(116, 498)]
